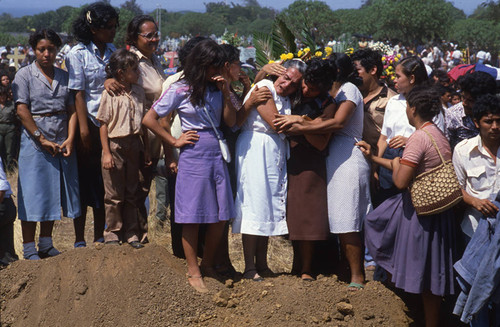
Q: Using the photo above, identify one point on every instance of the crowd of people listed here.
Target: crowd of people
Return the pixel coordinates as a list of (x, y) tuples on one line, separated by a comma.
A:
[(313, 148)]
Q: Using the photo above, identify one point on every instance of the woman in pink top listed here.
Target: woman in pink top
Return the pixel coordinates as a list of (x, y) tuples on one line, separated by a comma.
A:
[(417, 251)]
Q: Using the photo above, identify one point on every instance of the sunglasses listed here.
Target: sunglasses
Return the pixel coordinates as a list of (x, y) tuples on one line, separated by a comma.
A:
[(150, 36)]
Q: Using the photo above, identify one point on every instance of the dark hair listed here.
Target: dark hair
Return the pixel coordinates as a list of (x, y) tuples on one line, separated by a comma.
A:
[(344, 68), (320, 73), (441, 89), (232, 53), (95, 15), (442, 76), (186, 49), (484, 105), (204, 55), (44, 34), (477, 84), (416, 67), (369, 59), (425, 100), (121, 59), (134, 27)]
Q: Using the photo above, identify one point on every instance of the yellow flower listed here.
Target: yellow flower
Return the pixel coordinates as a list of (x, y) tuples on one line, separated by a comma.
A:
[(306, 50), (399, 55), (271, 61), (283, 56), (384, 58), (328, 50), (318, 54), (289, 56), (393, 78), (300, 53), (396, 59)]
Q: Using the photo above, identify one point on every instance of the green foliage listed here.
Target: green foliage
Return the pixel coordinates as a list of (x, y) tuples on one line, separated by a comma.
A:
[(232, 39), (316, 15), (477, 34), (7, 38), (132, 6)]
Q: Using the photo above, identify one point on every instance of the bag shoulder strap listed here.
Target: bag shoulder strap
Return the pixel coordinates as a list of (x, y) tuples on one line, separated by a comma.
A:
[(435, 145), (217, 134)]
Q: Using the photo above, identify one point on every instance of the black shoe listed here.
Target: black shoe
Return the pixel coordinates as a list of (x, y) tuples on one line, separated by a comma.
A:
[(112, 243), (50, 252), (136, 244)]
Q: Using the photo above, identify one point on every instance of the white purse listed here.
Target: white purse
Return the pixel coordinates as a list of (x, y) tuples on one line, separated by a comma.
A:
[(224, 149)]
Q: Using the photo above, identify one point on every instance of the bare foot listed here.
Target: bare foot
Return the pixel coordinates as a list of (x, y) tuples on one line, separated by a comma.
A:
[(197, 283), (307, 277)]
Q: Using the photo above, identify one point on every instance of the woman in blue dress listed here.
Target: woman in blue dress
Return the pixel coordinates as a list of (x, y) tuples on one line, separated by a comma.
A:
[(95, 29), (48, 176)]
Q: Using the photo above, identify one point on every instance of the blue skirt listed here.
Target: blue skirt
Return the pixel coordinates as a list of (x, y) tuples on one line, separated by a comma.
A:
[(203, 192), (46, 184), (418, 251)]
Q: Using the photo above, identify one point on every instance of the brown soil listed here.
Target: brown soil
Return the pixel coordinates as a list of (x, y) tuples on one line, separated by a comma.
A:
[(120, 286), (117, 285)]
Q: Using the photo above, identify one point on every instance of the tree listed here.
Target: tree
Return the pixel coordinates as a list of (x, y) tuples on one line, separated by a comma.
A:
[(316, 15), (411, 20), (133, 7), (477, 34)]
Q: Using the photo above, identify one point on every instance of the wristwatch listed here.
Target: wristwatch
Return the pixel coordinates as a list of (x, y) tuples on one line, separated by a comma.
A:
[(37, 134)]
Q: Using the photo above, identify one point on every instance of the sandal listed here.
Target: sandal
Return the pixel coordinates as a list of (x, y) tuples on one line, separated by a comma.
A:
[(201, 289), (307, 277), (354, 287), (253, 275)]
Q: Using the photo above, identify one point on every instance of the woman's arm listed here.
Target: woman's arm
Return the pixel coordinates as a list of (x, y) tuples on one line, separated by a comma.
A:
[(275, 69), (67, 145), (81, 113), (29, 124), (320, 124), (402, 175), (150, 120), (229, 112), (258, 96), (320, 141)]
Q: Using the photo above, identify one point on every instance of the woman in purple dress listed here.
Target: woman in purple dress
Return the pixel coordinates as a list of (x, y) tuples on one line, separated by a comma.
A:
[(203, 191), (416, 250)]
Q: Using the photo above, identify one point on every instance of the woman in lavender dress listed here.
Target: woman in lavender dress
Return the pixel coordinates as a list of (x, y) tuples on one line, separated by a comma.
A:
[(203, 191)]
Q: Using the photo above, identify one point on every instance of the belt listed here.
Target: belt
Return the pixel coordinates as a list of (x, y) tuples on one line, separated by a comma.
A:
[(49, 114)]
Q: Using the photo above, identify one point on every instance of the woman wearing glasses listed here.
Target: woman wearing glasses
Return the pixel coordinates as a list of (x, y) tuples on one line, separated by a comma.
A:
[(95, 29), (143, 38)]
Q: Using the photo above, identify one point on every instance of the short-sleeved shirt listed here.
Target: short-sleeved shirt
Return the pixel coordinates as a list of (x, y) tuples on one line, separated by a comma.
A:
[(151, 77), (87, 71), (8, 113), (354, 127), (32, 88), (478, 175), (420, 152), (192, 117), (395, 119), (459, 126), (374, 116), (123, 113)]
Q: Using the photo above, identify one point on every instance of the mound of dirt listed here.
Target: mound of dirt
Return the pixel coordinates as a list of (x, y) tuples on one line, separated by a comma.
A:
[(120, 286)]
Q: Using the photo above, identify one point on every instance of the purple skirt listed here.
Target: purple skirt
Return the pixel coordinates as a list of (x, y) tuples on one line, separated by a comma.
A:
[(203, 192), (418, 251)]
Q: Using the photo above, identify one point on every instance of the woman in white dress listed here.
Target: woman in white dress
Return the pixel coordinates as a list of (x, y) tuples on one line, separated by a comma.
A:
[(261, 155), (348, 172)]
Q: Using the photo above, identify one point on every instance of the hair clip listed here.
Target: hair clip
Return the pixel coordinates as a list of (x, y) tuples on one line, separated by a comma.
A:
[(89, 19)]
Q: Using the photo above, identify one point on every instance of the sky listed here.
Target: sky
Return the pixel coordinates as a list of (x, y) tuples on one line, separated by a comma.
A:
[(29, 7)]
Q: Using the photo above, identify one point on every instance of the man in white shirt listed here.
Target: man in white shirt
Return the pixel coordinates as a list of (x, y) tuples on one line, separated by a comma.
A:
[(477, 166)]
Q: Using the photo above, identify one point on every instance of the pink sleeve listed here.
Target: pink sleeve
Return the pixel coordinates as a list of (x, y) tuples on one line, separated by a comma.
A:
[(415, 149)]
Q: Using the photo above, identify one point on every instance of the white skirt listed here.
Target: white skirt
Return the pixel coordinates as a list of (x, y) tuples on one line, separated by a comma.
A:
[(261, 184)]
